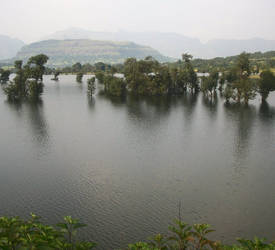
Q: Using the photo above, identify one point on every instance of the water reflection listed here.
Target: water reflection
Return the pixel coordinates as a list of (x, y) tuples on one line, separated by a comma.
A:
[(149, 109), (33, 114), (243, 117), (91, 102), (117, 101), (211, 104), (119, 162), (266, 112)]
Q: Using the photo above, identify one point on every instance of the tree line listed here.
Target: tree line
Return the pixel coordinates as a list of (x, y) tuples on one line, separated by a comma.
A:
[(148, 77)]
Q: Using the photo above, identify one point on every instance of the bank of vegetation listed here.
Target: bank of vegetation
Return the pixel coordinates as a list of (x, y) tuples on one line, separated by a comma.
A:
[(32, 234)]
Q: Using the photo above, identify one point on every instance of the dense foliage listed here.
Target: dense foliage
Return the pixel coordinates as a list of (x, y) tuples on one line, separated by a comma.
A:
[(28, 82), (16, 233), (183, 236), (91, 86), (31, 234), (4, 75), (149, 77), (266, 84)]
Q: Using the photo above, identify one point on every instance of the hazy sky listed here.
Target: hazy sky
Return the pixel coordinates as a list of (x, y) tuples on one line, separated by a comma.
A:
[(30, 20)]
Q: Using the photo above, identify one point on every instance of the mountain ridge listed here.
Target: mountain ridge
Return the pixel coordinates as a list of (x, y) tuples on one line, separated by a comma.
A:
[(69, 51), (173, 44)]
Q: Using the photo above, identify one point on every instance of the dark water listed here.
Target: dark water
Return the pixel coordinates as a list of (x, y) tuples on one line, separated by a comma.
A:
[(122, 166)]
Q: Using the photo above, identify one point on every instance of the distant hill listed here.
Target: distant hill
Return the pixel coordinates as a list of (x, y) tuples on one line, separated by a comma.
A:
[(169, 44), (260, 60), (68, 52), (9, 47), (173, 44), (223, 48)]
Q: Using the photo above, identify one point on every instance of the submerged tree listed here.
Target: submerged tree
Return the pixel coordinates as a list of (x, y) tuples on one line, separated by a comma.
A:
[(190, 75), (222, 79), (79, 77), (27, 83), (91, 86), (228, 93), (266, 84), (114, 86), (4, 75), (99, 76), (56, 74), (210, 83), (244, 85), (36, 66)]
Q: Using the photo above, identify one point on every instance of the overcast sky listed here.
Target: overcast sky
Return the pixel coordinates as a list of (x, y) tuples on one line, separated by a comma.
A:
[(30, 20)]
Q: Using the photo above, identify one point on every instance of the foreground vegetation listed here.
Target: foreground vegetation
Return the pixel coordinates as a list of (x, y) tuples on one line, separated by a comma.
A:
[(16, 233)]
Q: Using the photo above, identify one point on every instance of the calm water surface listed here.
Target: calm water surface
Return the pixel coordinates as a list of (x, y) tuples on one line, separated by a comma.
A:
[(123, 166)]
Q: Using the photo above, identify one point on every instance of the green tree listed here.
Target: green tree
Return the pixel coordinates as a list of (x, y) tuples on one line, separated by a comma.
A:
[(246, 88), (113, 70), (4, 76), (79, 77), (77, 67), (99, 76), (114, 86), (210, 83), (91, 86), (135, 77), (228, 93), (27, 83), (186, 57), (222, 81), (266, 84), (36, 66)]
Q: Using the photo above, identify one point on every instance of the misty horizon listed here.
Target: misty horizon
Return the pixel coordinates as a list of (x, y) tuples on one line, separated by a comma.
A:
[(30, 20), (130, 31)]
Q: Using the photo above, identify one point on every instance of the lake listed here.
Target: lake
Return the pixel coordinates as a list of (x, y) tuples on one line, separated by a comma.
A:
[(122, 166)]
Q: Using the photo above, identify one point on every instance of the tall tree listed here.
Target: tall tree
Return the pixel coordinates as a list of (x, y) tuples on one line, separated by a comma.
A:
[(246, 88), (79, 77), (186, 57)]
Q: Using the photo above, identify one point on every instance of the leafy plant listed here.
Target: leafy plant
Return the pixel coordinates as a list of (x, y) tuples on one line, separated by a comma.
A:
[(31, 234)]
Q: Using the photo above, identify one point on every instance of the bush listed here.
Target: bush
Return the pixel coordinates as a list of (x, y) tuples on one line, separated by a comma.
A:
[(183, 236), (16, 233)]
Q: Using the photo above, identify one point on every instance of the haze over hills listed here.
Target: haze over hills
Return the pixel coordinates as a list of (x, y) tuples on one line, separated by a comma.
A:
[(167, 44), (9, 46), (67, 52), (173, 44)]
